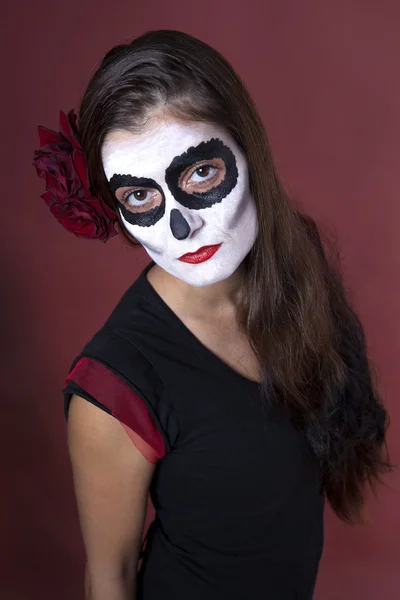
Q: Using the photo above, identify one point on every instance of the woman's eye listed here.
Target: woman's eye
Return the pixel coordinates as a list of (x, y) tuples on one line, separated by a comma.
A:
[(202, 173), (137, 197)]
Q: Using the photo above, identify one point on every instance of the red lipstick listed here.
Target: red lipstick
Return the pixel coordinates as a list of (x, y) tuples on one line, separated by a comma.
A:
[(202, 254)]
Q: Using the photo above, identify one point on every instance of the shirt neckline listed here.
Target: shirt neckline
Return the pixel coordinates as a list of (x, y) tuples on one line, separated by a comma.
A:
[(173, 317)]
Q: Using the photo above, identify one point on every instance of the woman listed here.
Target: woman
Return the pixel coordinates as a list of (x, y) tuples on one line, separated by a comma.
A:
[(234, 363)]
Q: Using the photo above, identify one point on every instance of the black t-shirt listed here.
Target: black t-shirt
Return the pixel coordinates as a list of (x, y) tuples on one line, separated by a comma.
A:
[(236, 489)]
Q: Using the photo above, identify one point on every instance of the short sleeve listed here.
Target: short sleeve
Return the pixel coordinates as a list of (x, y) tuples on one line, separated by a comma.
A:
[(98, 384)]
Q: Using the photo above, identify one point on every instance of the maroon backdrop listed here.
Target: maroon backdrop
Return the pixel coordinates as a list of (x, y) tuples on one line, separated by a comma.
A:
[(325, 76)]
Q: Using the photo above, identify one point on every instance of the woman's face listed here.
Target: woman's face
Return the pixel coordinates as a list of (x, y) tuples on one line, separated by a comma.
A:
[(180, 187)]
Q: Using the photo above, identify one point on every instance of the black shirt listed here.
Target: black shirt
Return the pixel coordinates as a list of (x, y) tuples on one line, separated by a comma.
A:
[(237, 494)]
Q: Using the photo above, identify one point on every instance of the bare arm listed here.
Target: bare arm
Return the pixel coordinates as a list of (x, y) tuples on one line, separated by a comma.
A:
[(111, 480)]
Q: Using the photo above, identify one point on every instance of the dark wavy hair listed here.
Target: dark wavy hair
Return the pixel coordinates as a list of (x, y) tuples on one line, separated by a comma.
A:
[(292, 303)]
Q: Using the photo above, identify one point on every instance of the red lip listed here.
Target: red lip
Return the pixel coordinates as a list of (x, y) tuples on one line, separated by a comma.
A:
[(202, 254)]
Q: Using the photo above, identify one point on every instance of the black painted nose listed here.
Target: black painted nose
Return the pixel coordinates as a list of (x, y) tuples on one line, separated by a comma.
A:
[(179, 226)]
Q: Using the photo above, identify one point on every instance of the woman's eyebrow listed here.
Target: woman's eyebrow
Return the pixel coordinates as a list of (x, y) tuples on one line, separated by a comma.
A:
[(119, 180), (203, 151)]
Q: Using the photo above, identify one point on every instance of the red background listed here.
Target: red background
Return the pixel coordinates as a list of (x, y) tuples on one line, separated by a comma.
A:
[(325, 76)]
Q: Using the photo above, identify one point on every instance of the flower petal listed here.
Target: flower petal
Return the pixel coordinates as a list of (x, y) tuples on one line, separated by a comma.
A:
[(80, 165), (68, 127), (47, 136), (48, 198)]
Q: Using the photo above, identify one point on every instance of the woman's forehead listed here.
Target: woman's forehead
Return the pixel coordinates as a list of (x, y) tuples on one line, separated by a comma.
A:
[(153, 149)]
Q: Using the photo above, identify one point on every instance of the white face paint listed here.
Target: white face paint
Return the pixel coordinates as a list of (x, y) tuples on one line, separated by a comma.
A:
[(181, 186)]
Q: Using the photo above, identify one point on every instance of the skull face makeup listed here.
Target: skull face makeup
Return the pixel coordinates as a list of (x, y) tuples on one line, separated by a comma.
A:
[(181, 187)]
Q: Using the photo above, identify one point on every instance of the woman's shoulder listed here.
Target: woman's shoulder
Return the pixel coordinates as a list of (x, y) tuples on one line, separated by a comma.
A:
[(111, 372)]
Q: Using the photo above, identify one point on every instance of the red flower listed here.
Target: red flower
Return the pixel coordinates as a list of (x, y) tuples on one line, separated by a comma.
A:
[(61, 163)]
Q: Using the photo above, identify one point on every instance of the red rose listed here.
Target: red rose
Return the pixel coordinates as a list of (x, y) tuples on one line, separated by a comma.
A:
[(61, 163)]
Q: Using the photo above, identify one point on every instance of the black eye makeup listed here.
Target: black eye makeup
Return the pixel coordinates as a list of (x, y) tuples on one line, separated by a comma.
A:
[(198, 178), (141, 200), (195, 195)]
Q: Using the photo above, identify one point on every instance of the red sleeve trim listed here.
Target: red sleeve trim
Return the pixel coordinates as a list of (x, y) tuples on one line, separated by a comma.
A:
[(124, 404)]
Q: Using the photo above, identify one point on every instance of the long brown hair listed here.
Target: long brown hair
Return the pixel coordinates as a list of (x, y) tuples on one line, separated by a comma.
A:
[(292, 306)]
